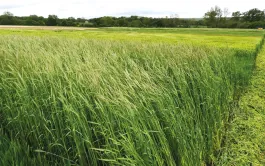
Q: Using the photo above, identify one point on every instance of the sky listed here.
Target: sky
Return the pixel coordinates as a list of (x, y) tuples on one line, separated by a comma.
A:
[(98, 8)]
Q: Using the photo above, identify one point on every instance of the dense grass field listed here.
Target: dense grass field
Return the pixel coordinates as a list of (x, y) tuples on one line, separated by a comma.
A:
[(121, 96)]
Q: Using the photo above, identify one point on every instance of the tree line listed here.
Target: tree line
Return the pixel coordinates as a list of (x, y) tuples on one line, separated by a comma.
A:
[(214, 18), (217, 18)]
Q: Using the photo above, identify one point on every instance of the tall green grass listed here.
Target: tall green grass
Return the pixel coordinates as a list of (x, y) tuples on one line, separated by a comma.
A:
[(85, 102)]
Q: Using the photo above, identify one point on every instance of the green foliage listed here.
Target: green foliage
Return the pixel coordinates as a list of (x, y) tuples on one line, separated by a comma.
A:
[(74, 101), (52, 20), (236, 16), (254, 15), (9, 14), (106, 21), (136, 23), (253, 18), (215, 18)]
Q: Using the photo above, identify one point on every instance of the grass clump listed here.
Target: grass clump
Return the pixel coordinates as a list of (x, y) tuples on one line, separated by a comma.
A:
[(85, 102)]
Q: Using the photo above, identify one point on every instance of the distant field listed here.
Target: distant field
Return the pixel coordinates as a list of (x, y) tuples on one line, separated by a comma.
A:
[(41, 27), (238, 39), (122, 96)]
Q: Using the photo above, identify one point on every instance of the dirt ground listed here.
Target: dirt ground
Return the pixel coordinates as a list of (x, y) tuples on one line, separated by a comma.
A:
[(43, 27)]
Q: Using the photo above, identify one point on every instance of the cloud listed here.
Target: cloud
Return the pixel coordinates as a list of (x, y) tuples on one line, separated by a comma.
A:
[(97, 8), (7, 7), (148, 13)]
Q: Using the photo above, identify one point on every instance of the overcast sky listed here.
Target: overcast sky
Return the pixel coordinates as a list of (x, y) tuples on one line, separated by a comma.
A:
[(97, 8)]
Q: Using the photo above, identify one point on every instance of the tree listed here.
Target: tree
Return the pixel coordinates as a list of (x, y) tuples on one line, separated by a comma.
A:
[(254, 15), (223, 19), (106, 21), (7, 19), (87, 24), (63, 22), (146, 21), (236, 16), (7, 13), (34, 20), (52, 20), (71, 21), (136, 23), (226, 12), (213, 17), (122, 21)]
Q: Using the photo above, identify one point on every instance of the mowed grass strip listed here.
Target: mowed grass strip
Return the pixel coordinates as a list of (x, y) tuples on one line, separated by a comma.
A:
[(245, 144)]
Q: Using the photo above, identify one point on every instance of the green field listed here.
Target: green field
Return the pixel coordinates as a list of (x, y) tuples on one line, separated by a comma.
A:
[(238, 39), (121, 96)]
